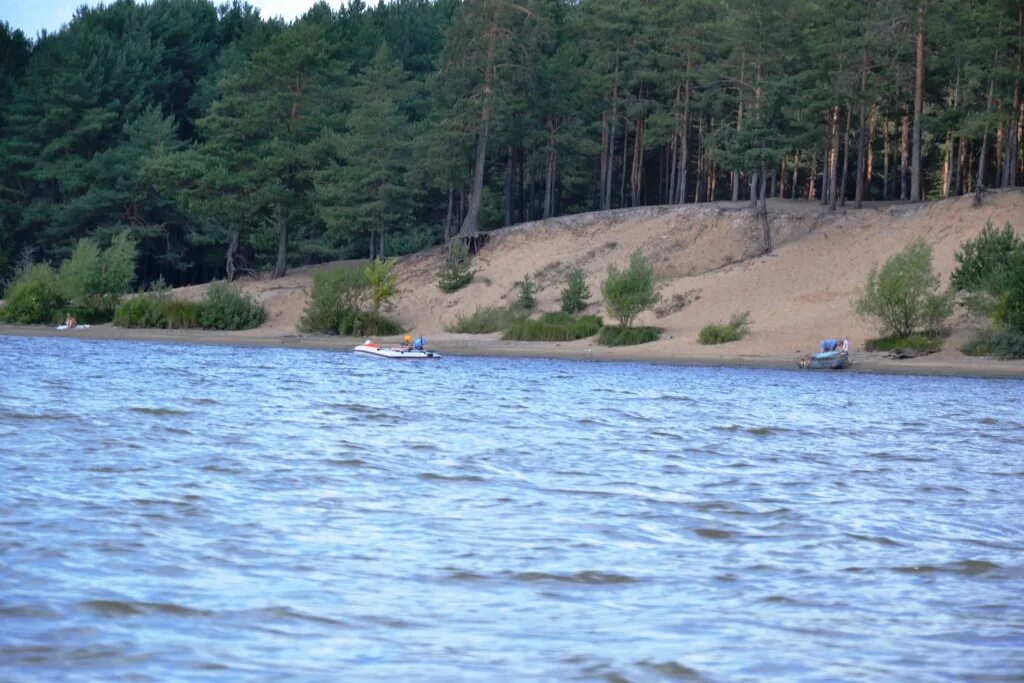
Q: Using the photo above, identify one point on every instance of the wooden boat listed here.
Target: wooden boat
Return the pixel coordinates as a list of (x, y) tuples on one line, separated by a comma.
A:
[(827, 360), (370, 348)]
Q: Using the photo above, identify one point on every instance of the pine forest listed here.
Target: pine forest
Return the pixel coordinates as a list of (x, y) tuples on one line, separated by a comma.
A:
[(227, 143)]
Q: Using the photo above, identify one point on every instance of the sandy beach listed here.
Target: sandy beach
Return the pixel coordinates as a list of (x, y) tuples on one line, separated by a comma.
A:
[(707, 256)]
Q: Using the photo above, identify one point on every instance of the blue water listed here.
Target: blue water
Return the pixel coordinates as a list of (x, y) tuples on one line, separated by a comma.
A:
[(176, 512)]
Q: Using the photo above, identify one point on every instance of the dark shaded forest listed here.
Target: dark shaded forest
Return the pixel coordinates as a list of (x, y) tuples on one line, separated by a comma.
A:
[(226, 143)]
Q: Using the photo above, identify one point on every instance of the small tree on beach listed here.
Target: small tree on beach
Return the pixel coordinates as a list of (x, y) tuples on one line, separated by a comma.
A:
[(630, 292), (903, 295)]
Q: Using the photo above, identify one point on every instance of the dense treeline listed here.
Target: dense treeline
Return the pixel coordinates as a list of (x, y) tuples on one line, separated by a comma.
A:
[(224, 142)]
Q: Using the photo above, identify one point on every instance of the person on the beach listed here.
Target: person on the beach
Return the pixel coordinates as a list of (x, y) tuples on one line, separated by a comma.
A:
[(846, 345)]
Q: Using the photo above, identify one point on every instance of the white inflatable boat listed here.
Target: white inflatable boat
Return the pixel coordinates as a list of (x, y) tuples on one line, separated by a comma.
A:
[(373, 349)]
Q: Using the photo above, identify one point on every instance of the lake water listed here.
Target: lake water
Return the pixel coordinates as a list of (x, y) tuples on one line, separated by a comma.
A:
[(176, 512)]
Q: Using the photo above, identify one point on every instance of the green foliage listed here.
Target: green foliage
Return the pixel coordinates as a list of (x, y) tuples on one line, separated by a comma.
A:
[(527, 294), (383, 282), (903, 294), (335, 292), (483, 321), (226, 308), (158, 310), (355, 323), (1006, 343), (33, 297), (629, 292), (575, 295), (986, 268), (923, 343), (554, 327), (92, 281), (618, 335), (1009, 311), (457, 271), (737, 328)]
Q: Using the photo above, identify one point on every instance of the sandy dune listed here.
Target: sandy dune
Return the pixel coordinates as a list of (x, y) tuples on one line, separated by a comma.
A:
[(708, 254)]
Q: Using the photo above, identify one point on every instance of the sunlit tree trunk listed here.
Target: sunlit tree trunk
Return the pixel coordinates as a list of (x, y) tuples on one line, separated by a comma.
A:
[(915, 181)]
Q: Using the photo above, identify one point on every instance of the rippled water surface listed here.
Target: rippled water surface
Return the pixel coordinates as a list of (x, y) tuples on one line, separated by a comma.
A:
[(173, 512)]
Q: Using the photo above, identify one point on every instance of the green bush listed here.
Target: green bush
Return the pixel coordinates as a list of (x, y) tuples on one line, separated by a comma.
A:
[(155, 310), (737, 328), (33, 297), (575, 295), (924, 343), (226, 308), (903, 294), (457, 271), (630, 292), (527, 294), (1009, 310), (617, 335), (1006, 343), (182, 315), (483, 321), (144, 310), (554, 327), (93, 281), (334, 292), (383, 282), (356, 323)]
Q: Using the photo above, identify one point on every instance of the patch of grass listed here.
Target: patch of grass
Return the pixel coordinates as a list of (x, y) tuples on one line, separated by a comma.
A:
[(1006, 344), (922, 343), (152, 310), (554, 327), (483, 321), (737, 328), (227, 308), (355, 323), (617, 335)]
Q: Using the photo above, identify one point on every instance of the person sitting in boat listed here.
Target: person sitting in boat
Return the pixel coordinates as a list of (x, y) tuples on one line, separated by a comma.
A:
[(70, 322), (406, 343), (420, 344), (845, 346)]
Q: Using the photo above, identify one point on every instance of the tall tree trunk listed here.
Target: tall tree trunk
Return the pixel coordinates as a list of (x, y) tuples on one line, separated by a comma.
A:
[(549, 185), (961, 164), (862, 130), (470, 224), (698, 192), (735, 176), (448, 216), (812, 179), (510, 186), (916, 194), (1011, 157), (766, 228), (282, 244), (231, 255), (886, 184), (905, 160), (782, 178), (846, 158), (869, 171), (796, 176), (637, 174), (834, 162), (979, 186), (608, 170), (753, 189), (625, 158), (949, 159)]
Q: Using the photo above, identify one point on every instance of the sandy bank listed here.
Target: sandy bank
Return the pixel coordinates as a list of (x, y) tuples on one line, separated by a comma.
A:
[(492, 346)]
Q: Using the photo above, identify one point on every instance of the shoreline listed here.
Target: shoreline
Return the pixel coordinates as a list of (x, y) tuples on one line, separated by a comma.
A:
[(491, 347)]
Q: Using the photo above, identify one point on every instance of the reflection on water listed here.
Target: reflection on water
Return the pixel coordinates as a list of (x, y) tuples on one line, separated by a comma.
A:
[(181, 512)]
